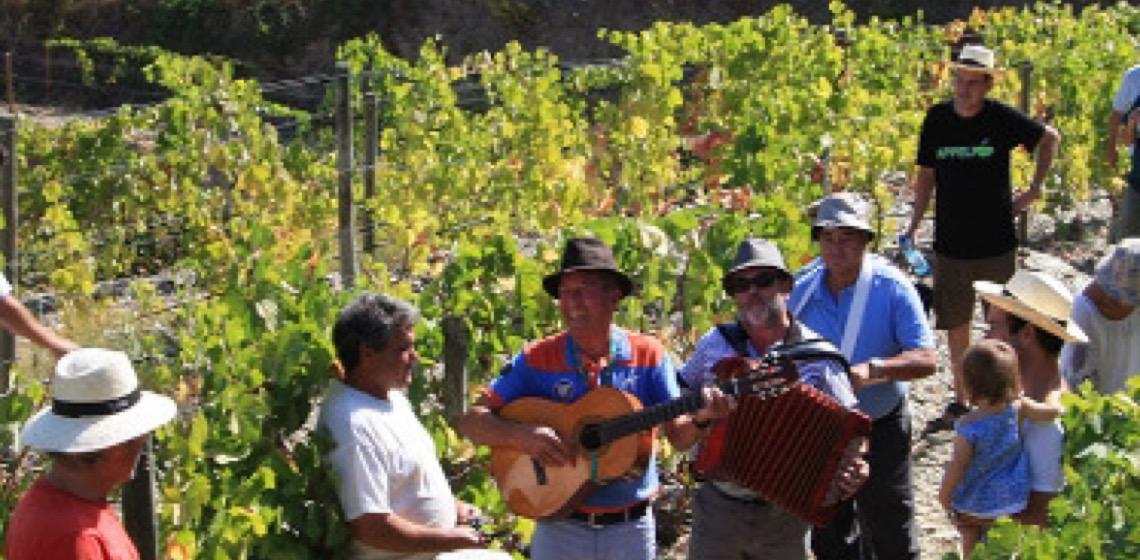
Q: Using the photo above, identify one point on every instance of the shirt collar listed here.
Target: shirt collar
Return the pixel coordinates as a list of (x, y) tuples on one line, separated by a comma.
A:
[(620, 352)]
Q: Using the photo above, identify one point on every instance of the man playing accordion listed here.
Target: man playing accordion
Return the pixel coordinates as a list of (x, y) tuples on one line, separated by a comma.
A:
[(729, 520)]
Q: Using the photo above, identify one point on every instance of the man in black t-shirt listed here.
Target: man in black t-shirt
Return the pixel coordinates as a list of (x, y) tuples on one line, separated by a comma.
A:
[(964, 151)]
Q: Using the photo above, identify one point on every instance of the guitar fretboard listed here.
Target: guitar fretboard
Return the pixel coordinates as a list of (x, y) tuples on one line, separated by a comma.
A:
[(646, 418)]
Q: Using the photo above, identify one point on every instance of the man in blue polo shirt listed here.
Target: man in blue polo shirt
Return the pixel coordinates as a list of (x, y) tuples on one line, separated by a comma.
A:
[(864, 305), (615, 521)]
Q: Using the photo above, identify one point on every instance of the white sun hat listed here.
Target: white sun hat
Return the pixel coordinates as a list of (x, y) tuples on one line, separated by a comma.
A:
[(976, 57), (96, 403), (1037, 298)]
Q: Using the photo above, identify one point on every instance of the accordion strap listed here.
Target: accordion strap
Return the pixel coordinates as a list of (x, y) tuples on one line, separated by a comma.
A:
[(734, 334)]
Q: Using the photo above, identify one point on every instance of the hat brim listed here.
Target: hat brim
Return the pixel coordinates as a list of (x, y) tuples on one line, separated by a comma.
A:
[(994, 294), (993, 71), (551, 282), (818, 226), (48, 431)]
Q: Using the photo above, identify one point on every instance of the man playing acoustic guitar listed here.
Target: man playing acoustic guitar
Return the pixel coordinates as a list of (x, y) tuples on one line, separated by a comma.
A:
[(730, 521), (615, 520)]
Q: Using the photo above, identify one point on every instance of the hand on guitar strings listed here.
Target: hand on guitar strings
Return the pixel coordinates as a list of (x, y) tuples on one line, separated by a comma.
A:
[(717, 405), (544, 444)]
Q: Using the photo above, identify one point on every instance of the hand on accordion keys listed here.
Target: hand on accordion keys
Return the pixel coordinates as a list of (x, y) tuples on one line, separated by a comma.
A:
[(853, 471)]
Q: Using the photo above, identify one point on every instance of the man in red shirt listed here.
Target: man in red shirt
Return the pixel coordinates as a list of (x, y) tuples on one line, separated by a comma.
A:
[(93, 431)]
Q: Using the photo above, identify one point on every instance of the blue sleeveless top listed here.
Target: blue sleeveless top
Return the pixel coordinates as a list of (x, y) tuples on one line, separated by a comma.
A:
[(996, 482)]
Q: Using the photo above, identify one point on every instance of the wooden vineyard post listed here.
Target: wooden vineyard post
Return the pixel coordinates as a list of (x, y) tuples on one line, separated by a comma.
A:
[(347, 213), (456, 342), (8, 197)]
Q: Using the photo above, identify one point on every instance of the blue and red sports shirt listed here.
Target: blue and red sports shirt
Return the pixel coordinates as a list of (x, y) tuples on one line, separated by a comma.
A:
[(554, 369)]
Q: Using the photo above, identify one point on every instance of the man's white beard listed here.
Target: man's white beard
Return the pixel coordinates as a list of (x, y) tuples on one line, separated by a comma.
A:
[(766, 314)]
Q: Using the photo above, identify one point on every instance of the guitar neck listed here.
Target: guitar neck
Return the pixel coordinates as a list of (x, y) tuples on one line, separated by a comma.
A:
[(646, 418)]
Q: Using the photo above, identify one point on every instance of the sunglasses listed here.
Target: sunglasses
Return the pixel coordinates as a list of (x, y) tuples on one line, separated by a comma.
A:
[(741, 284)]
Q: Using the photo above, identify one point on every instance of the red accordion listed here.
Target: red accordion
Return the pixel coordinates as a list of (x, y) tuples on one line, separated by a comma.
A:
[(787, 447)]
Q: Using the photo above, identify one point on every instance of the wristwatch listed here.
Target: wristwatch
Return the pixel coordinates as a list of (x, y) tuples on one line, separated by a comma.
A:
[(875, 371)]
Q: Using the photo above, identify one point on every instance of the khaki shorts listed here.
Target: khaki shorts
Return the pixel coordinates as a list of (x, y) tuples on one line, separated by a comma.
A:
[(954, 285)]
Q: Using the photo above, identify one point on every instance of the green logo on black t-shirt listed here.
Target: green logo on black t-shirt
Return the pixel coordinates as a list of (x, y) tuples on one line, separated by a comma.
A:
[(964, 152)]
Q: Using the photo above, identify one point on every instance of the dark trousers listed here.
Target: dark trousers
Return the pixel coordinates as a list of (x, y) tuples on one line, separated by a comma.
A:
[(878, 523)]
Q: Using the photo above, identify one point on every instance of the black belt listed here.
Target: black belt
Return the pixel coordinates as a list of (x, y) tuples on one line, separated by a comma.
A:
[(602, 519)]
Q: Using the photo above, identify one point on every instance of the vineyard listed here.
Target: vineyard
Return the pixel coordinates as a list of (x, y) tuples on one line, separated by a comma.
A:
[(699, 137)]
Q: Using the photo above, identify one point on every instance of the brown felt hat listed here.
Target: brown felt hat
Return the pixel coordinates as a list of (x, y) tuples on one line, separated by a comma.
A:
[(584, 253)]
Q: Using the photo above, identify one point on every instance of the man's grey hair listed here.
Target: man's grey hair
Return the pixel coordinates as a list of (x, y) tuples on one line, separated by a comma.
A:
[(370, 320)]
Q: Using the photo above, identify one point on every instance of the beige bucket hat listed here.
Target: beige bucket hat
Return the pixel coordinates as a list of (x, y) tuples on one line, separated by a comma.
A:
[(96, 403), (1037, 298)]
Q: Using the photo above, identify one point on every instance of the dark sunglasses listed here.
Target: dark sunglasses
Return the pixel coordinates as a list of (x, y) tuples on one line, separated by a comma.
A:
[(737, 285)]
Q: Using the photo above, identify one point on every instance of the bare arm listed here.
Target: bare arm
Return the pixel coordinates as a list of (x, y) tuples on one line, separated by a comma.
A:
[(1041, 411), (1043, 160), (388, 531), (483, 426), (17, 319), (923, 188), (905, 366), (1110, 145), (961, 456)]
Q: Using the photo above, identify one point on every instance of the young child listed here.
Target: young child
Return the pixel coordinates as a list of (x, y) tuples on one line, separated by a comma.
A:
[(988, 474)]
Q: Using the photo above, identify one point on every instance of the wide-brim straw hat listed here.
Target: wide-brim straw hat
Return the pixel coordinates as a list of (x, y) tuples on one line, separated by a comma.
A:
[(586, 253), (96, 403), (1037, 298)]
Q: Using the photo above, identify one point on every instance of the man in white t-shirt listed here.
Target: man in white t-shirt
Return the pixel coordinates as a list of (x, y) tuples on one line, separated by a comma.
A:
[(391, 486), (17, 319), (1106, 311)]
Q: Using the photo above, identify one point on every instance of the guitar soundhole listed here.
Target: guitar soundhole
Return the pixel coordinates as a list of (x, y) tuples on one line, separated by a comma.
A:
[(590, 438), (539, 472)]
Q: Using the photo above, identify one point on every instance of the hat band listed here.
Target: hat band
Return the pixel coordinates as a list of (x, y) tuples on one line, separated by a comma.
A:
[(972, 63), (1063, 322), (71, 409)]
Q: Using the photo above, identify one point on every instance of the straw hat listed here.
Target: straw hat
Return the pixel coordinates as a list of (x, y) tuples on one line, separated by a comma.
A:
[(976, 57), (585, 253), (1037, 298), (96, 404)]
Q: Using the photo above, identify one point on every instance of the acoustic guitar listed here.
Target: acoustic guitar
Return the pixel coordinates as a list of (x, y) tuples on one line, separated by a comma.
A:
[(613, 434)]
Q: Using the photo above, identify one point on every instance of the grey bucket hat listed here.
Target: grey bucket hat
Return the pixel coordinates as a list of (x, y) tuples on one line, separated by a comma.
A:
[(842, 209), (753, 252)]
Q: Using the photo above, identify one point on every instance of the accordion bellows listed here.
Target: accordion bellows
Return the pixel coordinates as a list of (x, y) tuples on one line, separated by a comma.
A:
[(786, 448)]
